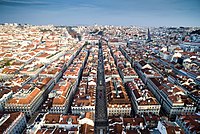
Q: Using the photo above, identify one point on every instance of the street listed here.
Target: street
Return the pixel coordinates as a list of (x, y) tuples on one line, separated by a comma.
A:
[(101, 119)]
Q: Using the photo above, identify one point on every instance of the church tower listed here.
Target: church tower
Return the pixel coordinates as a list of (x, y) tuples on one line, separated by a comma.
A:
[(149, 36)]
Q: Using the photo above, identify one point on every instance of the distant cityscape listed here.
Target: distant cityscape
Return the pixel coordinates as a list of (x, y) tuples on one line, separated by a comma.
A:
[(99, 79)]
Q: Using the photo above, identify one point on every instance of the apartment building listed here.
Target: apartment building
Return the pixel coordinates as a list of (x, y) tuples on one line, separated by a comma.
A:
[(142, 99), (12, 123)]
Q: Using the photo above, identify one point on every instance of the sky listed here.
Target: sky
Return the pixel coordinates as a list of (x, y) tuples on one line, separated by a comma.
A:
[(101, 12)]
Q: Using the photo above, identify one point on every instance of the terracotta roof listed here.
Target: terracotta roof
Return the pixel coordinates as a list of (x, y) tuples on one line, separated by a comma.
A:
[(87, 129), (52, 118), (133, 121), (2, 92), (27, 100), (192, 120), (66, 118), (116, 129), (59, 100), (61, 119), (116, 96), (9, 121), (174, 130)]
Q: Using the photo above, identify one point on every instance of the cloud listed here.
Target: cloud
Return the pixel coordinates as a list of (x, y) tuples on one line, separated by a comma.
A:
[(21, 2), (84, 7)]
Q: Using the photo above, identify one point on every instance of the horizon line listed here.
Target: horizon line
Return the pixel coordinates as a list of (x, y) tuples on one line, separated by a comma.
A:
[(131, 25)]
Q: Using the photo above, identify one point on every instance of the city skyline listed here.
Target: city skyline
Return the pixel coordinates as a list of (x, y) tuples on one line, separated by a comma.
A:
[(118, 12), (99, 79)]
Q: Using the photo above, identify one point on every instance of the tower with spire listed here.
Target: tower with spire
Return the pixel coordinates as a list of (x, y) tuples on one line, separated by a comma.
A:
[(149, 36)]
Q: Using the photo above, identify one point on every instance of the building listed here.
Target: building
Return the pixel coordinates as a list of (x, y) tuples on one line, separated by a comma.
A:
[(171, 97), (12, 123), (33, 68), (84, 99), (120, 125), (49, 57), (190, 46), (87, 123), (5, 95), (128, 74), (65, 89), (166, 127), (57, 123), (26, 100), (142, 99), (148, 36), (145, 71), (189, 123), (117, 98), (61, 95), (109, 66)]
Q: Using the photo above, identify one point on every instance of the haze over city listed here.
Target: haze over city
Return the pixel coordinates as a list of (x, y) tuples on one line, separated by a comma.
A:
[(103, 12)]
